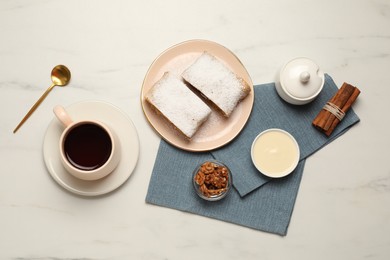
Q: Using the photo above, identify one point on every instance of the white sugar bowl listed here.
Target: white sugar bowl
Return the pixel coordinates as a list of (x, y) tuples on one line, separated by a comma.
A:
[(299, 81)]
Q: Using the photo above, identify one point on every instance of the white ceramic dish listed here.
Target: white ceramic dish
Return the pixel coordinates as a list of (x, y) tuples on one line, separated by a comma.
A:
[(299, 81), (275, 153), (126, 132)]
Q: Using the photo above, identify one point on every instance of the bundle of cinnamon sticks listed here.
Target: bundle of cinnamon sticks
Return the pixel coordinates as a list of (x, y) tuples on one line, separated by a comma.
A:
[(334, 110)]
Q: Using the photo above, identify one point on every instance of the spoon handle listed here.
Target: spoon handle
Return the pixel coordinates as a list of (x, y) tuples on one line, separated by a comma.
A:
[(32, 109)]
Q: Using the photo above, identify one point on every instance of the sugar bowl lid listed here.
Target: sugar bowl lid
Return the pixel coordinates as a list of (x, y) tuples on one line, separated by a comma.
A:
[(302, 79)]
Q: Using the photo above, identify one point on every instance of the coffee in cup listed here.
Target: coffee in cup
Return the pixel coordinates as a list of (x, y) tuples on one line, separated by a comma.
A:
[(89, 149)]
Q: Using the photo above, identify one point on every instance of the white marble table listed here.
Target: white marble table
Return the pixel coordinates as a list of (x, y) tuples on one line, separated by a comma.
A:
[(341, 212)]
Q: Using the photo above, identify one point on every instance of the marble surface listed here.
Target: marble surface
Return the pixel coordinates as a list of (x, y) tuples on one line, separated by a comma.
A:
[(342, 210)]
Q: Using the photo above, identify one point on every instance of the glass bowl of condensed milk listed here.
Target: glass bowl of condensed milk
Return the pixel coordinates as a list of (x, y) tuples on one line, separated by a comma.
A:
[(275, 153)]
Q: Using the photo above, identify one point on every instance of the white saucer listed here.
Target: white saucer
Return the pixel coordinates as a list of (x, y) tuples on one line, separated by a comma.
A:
[(123, 127)]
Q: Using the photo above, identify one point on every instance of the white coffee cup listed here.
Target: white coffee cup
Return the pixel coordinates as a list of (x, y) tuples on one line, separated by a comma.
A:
[(89, 149)]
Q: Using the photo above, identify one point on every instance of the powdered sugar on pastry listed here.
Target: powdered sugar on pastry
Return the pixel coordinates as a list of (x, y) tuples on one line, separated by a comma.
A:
[(216, 82), (177, 103)]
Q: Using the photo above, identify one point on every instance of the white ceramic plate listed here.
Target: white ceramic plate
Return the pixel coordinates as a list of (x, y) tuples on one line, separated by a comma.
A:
[(123, 127), (217, 130)]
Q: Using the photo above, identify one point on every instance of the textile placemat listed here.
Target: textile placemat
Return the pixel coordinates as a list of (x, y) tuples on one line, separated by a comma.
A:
[(256, 201), (270, 111)]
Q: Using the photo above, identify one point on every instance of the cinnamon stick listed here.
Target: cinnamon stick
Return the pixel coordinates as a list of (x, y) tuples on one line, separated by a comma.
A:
[(327, 121)]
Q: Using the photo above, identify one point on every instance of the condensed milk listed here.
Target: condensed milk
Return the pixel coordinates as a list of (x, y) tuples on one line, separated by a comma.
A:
[(275, 153)]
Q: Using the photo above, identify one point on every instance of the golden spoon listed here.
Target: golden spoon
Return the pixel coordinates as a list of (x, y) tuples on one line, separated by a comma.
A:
[(60, 76)]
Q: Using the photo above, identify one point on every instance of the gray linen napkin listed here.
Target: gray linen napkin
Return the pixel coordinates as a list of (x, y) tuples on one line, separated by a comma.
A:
[(257, 202), (270, 111)]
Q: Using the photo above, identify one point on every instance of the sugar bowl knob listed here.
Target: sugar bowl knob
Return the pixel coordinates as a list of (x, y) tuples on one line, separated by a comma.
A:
[(304, 77)]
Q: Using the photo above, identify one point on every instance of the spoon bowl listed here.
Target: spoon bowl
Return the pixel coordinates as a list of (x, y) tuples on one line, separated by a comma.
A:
[(60, 76)]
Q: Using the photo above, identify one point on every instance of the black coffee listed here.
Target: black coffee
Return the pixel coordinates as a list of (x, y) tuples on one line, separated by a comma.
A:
[(87, 146)]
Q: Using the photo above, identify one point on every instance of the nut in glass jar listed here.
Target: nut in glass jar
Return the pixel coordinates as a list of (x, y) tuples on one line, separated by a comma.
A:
[(212, 180)]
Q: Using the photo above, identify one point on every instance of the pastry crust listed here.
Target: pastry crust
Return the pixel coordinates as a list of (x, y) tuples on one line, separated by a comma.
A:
[(217, 83), (184, 110)]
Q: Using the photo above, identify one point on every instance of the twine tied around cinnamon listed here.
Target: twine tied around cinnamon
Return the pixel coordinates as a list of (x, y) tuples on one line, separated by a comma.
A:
[(336, 108)]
